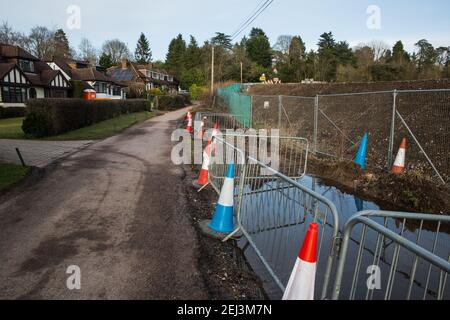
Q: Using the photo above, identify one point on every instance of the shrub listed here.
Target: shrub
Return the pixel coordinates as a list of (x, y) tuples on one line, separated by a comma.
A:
[(195, 92), (12, 112), (155, 92), (167, 103), (47, 117)]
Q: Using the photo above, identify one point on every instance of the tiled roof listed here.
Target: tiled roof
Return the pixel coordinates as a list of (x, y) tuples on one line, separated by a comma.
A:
[(10, 51), (5, 68)]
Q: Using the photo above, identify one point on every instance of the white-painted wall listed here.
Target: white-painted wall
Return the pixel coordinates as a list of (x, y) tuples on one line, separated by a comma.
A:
[(54, 66)]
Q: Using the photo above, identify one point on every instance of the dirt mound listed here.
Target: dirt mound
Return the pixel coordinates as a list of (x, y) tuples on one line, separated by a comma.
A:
[(311, 90), (405, 192)]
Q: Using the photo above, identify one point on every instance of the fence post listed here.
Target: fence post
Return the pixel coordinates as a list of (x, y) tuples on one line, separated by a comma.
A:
[(280, 110), (251, 112), (392, 131), (316, 123)]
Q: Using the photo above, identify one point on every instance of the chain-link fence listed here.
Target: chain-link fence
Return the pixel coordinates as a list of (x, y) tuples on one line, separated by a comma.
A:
[(336, 123)]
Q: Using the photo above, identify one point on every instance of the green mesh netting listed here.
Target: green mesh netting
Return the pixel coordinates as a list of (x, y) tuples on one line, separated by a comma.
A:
[(238, 104)]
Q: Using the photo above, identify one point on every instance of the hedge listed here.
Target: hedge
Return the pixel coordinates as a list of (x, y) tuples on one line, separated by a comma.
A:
[(168, 103), (12, 112), (49, 117)]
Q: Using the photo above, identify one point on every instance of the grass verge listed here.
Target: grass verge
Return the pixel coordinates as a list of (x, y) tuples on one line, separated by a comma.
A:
[(104, 129), (10, 174), (12, 128)]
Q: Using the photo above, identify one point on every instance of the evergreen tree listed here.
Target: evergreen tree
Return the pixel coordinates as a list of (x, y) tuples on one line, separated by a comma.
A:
[(327, 62), (61, 45), (106, 60), (143, 53), (222, 40), (192, 57), (399, 55), (175, 56), (297, 50), (258, 48)]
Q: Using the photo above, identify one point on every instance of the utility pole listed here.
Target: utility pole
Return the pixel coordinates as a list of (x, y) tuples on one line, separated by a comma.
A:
[(212, 72), (242, 78)]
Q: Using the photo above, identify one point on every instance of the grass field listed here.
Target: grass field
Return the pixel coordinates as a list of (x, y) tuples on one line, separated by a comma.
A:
[(10, 174), (12, 128)]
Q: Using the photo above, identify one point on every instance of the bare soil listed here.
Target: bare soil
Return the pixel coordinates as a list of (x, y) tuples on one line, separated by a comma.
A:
[(223, 265), (405, 192)]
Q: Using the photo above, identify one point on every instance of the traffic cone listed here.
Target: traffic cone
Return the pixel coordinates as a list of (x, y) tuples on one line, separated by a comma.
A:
[(362, 153), (223, 217), (189, 127), (204, 173), (399, 165), (201, 131), (215, 133), (303, 278)]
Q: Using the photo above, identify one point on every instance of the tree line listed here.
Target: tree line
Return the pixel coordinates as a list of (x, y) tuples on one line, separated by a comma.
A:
[(288, 59), (46, 44)]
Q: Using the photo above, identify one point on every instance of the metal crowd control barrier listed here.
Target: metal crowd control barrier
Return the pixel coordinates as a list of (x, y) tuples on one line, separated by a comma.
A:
[(224, 120), (406, 263), (289, 153), (274, 213)]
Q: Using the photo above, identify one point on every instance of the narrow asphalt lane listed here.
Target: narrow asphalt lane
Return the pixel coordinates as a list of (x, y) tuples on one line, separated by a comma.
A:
[(117, 211)]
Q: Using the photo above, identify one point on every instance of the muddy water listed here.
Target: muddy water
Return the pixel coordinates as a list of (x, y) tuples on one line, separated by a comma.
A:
[(280, 247)]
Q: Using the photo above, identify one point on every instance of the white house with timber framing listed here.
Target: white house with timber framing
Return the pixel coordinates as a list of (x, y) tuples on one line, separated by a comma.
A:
[(23, 77)]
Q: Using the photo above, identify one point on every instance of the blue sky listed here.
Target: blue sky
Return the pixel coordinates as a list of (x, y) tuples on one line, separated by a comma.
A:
[(409, 21)]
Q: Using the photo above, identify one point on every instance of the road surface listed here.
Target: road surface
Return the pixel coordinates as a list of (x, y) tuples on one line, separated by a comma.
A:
[(117, 211), (38, 153)]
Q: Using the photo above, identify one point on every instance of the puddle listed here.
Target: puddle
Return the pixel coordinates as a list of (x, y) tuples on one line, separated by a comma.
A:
[(280, 246)]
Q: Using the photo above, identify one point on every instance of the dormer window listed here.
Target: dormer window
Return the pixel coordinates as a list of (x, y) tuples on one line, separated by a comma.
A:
[(27, 66)]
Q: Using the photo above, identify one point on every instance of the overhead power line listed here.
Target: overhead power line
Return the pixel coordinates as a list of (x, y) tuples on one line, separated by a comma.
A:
[(253, 18), (252, 14)]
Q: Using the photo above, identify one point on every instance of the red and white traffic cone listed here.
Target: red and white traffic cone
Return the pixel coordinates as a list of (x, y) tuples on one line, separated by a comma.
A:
[(190, 127), (201, 131), (213, 142), (399, 165), (203, 179), (303, 279)]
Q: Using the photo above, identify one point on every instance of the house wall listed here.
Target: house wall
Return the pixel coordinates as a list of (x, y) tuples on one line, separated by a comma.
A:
[(54, 66), (40, 93)]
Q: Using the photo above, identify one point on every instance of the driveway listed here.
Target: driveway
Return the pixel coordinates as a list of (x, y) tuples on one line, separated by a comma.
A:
[(38, 153), (116, 210)]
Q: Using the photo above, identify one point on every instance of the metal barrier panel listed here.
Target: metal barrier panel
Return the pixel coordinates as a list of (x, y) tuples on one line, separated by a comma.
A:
[(393, 255), (222, 153), (265, 111), (423, 117), (343, 119), (297, 117), (224, 120), (290, 153), (274, 214)]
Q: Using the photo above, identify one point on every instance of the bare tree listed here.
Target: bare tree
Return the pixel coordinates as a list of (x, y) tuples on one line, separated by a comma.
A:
[(9, 36), (116, 49), (87, 52), (283, 43), (41, 42), (379, 49)]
